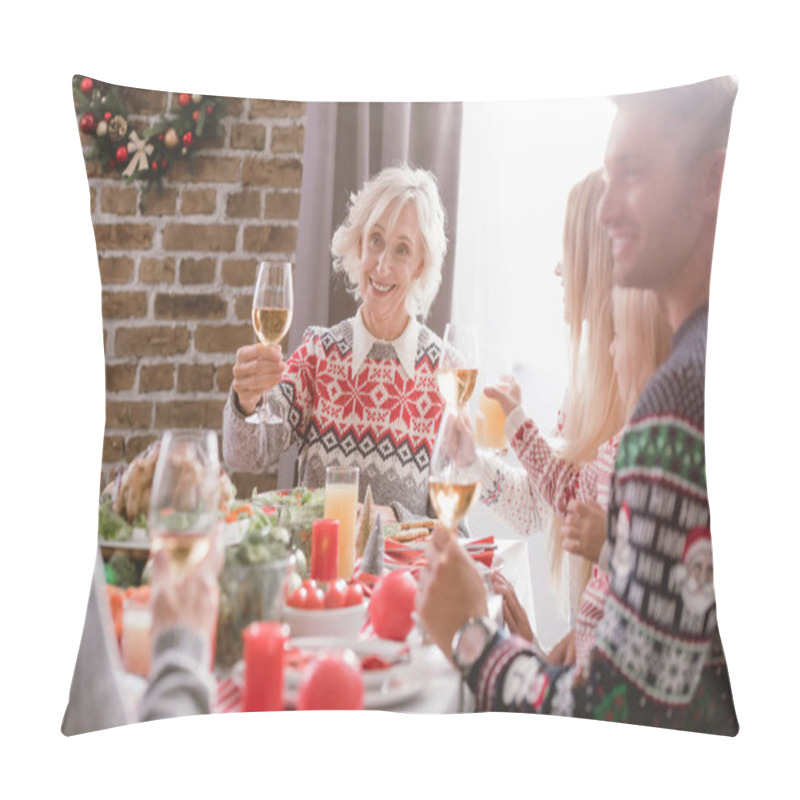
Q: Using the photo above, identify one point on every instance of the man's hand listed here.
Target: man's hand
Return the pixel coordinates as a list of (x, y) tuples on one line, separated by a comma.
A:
[(451, 590), (256, 370), (585, 530)]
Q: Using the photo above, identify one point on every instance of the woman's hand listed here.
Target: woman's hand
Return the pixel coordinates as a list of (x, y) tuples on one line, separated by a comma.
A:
[(507, 392), (513, 612), (451, 590), (563, 654), (584, 530), (256, 370)]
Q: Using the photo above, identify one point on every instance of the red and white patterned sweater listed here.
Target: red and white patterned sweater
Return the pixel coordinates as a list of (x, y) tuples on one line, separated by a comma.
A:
[(379, 419)]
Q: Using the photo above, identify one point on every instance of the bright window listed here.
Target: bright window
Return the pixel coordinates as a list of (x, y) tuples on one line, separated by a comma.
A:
[(519, 161)]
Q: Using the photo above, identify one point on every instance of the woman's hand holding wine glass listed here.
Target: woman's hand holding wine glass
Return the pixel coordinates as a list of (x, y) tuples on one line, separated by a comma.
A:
[(259, 367), (257, 370)]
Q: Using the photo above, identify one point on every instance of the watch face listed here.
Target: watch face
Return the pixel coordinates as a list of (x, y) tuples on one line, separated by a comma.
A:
[(470, 643)]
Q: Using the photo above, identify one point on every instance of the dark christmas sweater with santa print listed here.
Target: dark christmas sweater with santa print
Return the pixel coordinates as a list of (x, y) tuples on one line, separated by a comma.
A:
[(658, 658)]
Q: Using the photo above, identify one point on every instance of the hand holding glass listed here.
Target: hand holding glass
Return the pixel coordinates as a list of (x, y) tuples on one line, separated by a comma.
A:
[(273, 301), (490, 422), (458, 365), (454, 478)]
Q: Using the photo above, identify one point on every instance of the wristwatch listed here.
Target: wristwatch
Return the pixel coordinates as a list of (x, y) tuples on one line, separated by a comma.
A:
[(470, 640)]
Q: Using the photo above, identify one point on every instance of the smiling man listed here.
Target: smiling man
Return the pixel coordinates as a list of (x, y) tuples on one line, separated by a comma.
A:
[(658, 658)]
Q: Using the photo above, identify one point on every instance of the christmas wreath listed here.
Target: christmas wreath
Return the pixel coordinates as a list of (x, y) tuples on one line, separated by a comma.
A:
[(148, 157)]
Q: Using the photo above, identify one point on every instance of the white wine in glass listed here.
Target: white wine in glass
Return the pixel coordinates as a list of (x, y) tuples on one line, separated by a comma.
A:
[(273, 302), (184, 500), (451, 501), (457, 373), (454, 479)]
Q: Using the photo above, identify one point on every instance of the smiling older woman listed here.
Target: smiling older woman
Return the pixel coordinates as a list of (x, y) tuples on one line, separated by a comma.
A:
[(363, 392)]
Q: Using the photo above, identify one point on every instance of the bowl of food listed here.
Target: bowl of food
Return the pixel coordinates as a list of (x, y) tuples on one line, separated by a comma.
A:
[(338, 608)]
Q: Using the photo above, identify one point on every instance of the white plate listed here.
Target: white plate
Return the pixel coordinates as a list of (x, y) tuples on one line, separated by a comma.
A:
[(345, 622), (382, 688)]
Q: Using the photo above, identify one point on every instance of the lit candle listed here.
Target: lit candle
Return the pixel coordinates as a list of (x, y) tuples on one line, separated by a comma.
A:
[(263, 666), (325, 550)]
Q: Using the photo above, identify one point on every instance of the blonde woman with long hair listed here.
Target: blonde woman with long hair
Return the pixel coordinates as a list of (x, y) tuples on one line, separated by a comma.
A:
[(592, 412)]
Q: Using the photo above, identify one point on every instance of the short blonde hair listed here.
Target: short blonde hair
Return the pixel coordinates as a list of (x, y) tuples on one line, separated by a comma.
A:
[(393, 188)]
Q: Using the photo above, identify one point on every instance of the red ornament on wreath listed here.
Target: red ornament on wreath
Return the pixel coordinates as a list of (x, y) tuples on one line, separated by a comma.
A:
[(88, 122), (183, 99), (154, 165), (107, 116), (122, 153), (87, 84), (195, 115), (188, 138)]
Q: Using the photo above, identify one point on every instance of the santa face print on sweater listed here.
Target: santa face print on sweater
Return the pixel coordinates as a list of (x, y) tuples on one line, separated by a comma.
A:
[(623, 556), (695, 574)]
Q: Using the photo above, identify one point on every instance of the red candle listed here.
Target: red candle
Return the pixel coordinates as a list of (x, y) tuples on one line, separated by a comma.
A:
[(263, 666), (325, 550)]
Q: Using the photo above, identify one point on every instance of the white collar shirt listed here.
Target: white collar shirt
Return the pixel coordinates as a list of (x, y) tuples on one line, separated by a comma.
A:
[(405, 346)]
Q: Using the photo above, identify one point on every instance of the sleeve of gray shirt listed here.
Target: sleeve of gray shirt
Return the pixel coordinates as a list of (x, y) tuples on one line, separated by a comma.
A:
[(180, 683), (253, 446)]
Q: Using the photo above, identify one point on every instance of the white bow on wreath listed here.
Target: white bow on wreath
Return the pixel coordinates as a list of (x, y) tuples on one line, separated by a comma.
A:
[(139, 150)]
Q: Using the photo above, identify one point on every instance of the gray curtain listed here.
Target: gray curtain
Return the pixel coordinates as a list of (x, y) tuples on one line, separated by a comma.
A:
[(345, 144)]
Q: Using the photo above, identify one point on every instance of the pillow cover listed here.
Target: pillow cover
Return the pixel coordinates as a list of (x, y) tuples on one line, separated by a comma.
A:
[(188, 194)]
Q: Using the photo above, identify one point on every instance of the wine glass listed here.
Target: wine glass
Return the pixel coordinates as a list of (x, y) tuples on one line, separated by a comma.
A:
[(458, 365), (272, 313), (490, 421), (454, 477), (184, 499), (454, 480)]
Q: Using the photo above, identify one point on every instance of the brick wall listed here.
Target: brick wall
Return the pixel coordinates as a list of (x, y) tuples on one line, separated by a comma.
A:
[(177, 269)]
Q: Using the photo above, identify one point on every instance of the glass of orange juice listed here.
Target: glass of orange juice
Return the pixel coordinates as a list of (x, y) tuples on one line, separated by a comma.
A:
[(341, 502), (490, 421)]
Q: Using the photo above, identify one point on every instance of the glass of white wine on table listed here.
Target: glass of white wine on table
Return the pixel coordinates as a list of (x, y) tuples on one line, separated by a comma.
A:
[(184, 500), (273, 302), (457, 373)]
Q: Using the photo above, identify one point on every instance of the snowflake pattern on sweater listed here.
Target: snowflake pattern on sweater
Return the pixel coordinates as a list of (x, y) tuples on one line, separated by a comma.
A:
[(658, 658), (378, 419)]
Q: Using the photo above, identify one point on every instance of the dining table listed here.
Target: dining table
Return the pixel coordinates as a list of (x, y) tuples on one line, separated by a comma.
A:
[(438, 686)]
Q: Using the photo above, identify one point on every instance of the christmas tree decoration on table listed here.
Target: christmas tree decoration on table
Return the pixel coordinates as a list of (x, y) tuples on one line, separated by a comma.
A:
[(146, 155), (372, 562), (365, 522)]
